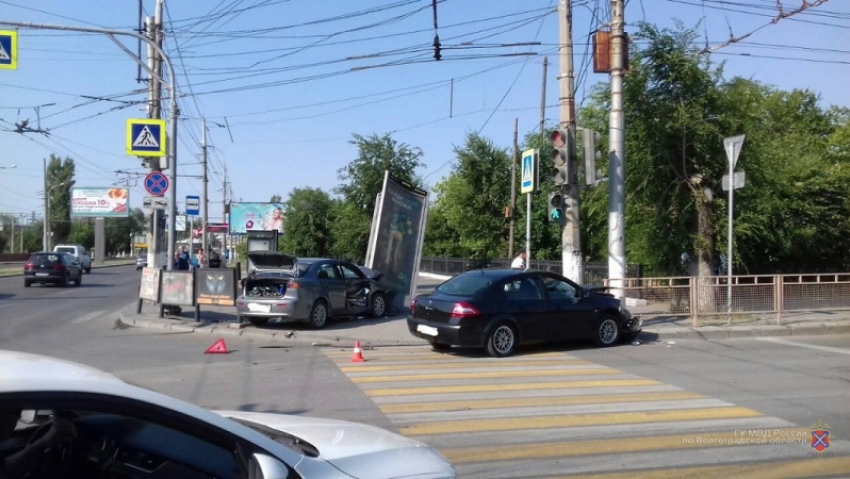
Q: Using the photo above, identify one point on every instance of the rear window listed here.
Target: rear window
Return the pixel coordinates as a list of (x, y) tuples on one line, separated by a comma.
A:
[(467, 284), (66, 250), (44, 259)]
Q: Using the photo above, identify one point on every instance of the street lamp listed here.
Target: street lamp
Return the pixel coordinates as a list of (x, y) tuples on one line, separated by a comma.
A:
[(47, 231)]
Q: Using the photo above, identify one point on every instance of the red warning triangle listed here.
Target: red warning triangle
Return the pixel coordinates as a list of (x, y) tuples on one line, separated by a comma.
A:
[(218, 348)]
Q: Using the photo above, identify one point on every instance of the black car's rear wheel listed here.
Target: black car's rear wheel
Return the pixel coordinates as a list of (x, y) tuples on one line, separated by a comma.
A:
[(440, 347), (258, 321), (65, 280), (379, 305), (503, 340), (608, 332), (27, 284)]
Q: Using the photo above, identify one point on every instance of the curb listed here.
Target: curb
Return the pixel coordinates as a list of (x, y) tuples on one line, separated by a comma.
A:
[(711, 333), (93, 267), (300, 338)]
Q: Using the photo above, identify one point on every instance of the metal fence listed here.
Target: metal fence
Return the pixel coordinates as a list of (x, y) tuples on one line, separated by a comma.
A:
[(705, 299), (594, 273)]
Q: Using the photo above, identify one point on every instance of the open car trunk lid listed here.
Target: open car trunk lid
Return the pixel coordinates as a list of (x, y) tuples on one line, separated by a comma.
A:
[(271, 261)]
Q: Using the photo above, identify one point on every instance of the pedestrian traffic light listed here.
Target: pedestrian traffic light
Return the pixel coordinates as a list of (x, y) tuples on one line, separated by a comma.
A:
[(560, 156), (556, 207), (590, 139)]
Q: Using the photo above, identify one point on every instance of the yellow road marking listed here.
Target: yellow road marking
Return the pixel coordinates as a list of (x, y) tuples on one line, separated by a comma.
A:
[(814, 467), (486, 375), (479, 388), (514, 452), (377, 356), (536, 402), (365, 367), (546, 422)]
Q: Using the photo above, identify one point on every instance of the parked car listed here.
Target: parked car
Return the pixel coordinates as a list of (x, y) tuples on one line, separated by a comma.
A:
[(141, 262), (76, 421), (78, 252), (500, 308), (54, 268), (307, 289)]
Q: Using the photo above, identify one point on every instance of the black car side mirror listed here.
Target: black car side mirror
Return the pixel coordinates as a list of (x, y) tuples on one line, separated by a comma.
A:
[(584, 294)]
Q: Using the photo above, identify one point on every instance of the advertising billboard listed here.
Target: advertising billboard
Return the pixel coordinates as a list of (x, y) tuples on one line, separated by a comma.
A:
[(398, 234), (101, 202), (246, 217), (216, 286), (177, 288)]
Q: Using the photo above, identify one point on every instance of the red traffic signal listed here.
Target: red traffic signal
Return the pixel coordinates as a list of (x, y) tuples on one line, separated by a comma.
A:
[(559, 138)]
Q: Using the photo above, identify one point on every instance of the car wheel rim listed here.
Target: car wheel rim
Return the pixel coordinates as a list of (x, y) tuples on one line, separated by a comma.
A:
[(608, 331), (320, 315), (379, 305), (503, 339)]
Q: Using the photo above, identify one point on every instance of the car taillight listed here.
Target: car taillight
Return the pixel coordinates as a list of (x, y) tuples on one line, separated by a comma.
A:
[(412, 306), (292, 284), (463, 310), (59, 267), (28, 266)]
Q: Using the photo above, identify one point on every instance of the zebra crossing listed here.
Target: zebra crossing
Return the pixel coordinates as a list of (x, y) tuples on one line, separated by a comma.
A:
[(555, 415)]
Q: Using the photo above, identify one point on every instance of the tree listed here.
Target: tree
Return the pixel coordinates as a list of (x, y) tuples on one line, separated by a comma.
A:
[(60, 172), (471, 200), (363, 179), (309, 214), (118, 230), (82, 233), (275, 199)]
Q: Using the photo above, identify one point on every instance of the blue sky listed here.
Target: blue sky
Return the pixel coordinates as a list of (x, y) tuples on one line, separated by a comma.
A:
[(292, 102)]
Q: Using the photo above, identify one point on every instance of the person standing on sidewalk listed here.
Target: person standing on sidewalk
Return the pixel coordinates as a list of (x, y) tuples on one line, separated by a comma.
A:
[(519, 261)]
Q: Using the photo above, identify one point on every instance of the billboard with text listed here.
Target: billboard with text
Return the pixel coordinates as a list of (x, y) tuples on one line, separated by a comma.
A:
[(100, 202), (245, 217)]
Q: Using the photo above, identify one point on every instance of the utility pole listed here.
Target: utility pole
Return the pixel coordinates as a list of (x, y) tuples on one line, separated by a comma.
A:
[(205, 200), (224, 209), (617, 156), (571, 234), (45, 241), (513, 191), (543, 95)]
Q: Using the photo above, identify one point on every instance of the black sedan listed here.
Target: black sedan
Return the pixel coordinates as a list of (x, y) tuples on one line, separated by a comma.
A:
[(498, 309), (53, 267)]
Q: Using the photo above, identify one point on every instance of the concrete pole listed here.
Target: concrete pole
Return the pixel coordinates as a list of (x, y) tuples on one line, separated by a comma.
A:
[(543, 95), (617, 156), (205, 200), (513, 192), (571, 234), (45, 243)]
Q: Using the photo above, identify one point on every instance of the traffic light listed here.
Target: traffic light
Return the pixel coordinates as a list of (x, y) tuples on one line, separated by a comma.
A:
[(590, 139), (560, 157), (556, 208)]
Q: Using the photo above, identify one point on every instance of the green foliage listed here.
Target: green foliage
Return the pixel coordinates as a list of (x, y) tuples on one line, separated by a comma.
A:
[(276, 199), (350, 232), (82, 233), (309, 214), (59, 171), (118, 231)]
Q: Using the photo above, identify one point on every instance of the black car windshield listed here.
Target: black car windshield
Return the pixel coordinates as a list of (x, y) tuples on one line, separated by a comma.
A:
[(467, 284)]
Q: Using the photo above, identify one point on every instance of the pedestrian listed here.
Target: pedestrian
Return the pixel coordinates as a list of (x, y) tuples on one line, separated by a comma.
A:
[(519, 261), (202, 258), (183, 259)]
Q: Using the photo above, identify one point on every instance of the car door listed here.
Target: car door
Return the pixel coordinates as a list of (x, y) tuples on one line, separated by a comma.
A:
[(525, 300), (75, 266), (571, 316), (330, 277), (357, 289)]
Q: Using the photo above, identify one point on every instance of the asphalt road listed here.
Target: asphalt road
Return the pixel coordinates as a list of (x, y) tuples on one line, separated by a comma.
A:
[(654, 410)]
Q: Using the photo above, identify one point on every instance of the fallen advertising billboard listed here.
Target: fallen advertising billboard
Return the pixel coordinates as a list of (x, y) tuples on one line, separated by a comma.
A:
[(215, 286), (397, 239), (178, 288), (246, 217), (100, 202)]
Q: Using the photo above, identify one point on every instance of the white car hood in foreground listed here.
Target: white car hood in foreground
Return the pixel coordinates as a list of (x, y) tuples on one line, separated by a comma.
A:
[(359, 450)]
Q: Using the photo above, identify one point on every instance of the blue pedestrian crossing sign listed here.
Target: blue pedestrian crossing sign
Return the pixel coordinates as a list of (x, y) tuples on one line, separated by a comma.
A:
[(529, 173), (8, 50), (145, 137)]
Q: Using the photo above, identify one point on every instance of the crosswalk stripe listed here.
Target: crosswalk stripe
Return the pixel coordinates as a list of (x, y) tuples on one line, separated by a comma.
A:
[(535, 402), (542, 422), (814, 467), (486, 375), (604, 446), (572, 409), (517, 394), (419, 365), (509, 387)]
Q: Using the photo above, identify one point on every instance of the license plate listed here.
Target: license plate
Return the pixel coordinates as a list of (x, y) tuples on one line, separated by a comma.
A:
[(42, 274), (427, 330), (259, 308)]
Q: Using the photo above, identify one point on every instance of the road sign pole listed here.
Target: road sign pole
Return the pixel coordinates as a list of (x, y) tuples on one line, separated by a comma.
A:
[(729, 234), (528, 231)]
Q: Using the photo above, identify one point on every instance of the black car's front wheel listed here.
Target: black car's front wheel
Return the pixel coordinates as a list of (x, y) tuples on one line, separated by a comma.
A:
[(440, 347), (607, 332), (379, 305), (502, 341)]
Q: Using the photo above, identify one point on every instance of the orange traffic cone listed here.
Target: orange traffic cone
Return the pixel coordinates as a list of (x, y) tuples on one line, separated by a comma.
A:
[(357, 357), (219, 347)]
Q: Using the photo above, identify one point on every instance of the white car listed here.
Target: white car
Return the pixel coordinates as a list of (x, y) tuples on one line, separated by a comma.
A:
[(78, 252), (76, 421)]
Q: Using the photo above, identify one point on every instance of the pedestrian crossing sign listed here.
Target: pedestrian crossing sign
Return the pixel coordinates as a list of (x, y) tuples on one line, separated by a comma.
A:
[(145, 137), (529, 173), (8, 50)]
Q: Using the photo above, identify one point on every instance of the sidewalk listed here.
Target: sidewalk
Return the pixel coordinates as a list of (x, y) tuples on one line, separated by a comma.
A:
[(392, 330)]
